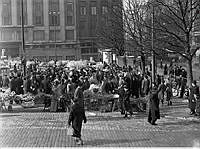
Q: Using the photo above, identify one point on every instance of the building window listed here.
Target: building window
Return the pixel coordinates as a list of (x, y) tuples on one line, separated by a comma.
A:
[(197, 39), (69, 14), (94, 10), (86, 57), (69, 35), (70, 57), (38, 18), (19, 35), (53, 33), (6, 35), (85, 50), (6, 12), (38, 35), (55, 57), (104, 10), (19, 15), (83, 11), (93, 50), (83, 30), (93, 27), (54, 14)]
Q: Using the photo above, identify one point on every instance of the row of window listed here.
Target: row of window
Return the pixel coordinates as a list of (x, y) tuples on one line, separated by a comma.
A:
[(39, 35), (88, 50), (71, 57), (49, 46), (38, 12), (93, 10), (87, 57), (47, 58)]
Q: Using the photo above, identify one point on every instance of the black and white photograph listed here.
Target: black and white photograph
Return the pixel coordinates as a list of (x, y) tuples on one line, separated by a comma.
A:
[(99, 73)]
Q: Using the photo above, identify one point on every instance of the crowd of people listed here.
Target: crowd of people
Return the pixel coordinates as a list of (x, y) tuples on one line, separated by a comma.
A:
[(68, 85)]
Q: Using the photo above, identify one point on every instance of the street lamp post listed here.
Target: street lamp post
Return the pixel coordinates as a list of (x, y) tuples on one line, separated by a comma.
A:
[(152, 44), (23, 60)]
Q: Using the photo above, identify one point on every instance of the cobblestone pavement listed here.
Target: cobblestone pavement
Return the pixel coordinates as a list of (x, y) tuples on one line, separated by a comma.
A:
[(34, 128)]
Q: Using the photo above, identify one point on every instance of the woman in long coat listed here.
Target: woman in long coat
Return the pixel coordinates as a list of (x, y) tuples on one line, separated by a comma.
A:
[(154, 111), (161, 91), (77, 116), (193, 96)]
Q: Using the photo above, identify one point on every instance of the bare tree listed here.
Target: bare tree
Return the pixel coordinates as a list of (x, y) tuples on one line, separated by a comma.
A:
[(127, 23), (174, 24)]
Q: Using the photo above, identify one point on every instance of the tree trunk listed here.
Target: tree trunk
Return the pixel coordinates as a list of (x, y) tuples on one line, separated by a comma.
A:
[(143, 63), (189, 72)]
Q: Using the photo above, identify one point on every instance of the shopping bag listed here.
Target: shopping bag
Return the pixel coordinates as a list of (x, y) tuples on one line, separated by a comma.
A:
[(69, 131)]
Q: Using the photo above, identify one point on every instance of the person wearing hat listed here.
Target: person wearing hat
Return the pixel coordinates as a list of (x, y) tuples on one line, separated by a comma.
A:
[(154, 111), (56, 95), (76, 117), (193, 97)]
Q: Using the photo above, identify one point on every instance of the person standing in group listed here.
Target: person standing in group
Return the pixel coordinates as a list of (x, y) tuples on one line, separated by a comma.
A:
[(165, 69), (146, 85), (56, 95), (193, 97), (154, 111), (197, 101), (168, 94), (78, 94), (161, 91)]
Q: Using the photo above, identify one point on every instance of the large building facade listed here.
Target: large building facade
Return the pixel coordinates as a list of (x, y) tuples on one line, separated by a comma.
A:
[(54, 29)]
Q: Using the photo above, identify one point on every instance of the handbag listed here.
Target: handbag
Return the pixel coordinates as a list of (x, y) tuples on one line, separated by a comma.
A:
[(69, 131)]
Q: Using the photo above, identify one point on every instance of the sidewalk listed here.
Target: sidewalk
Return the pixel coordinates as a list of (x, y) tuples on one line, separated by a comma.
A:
[(34, 128)]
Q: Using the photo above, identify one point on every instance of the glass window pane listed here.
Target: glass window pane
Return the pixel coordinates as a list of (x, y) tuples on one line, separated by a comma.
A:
[(69, 34)]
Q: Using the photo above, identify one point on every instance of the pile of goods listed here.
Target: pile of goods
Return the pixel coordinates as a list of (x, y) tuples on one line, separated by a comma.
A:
[(6, 95), (95, 101), (42, 99), (27, 100)]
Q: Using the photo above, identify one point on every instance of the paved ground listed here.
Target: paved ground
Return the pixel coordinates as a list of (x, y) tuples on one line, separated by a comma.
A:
[(34, 128)]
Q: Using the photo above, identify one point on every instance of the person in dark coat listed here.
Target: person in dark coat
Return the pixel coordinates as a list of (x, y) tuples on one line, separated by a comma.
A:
[(161, 91), (121, 98), (1, 81), (13, 84), (154, 112), (193, 96), (27, 84), (126, 100), (76, 117), (197, 101), (146, 85), (19, 83), (46, 85), (183, 85), (78, 94), (169, 93), (165, 69)]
